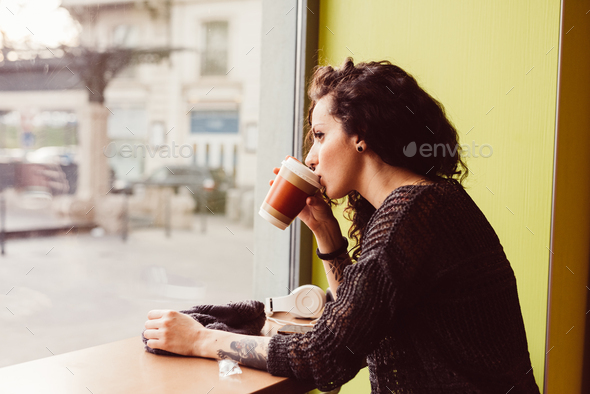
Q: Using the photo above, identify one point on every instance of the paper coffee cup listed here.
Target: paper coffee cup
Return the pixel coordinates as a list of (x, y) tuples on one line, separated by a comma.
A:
[(288, 193)]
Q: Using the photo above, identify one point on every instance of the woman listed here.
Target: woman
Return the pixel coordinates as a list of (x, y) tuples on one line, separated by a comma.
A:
[(431, 303)]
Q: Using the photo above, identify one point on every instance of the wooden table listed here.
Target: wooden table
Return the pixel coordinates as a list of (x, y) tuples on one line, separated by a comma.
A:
[(125, 367)]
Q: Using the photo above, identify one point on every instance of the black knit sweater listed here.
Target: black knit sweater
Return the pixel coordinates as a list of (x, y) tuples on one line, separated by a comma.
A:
[(431, 306)]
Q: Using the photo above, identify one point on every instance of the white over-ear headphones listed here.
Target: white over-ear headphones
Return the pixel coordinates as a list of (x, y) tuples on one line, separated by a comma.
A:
[(305, 301)]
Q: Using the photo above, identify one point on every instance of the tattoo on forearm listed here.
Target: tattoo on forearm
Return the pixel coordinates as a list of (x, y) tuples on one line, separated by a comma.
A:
[(249, 352), (337, 266)]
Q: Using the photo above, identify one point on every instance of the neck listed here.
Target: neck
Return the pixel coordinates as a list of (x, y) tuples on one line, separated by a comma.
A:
[(378, 179)]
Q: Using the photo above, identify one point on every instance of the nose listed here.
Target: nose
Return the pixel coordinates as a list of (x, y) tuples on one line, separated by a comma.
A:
[(311, 159)]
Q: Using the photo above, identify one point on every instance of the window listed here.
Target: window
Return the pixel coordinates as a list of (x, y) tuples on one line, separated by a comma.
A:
[(251, 136), (215, 48), (182, 239), (127, 123), (214, 121), (125, 36)]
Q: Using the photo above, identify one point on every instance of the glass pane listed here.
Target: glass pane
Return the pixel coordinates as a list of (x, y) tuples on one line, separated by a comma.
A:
[(214, 58), (127, 176)]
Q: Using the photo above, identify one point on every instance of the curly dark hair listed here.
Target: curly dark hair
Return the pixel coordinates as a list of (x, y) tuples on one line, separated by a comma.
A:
[(385, 107)]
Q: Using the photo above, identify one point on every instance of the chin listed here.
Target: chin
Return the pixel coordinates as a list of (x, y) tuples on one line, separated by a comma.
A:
[(335, 194), (327, 193)]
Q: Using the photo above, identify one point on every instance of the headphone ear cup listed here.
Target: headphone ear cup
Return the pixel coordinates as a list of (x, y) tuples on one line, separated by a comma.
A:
[(309, 301), (305, 301)]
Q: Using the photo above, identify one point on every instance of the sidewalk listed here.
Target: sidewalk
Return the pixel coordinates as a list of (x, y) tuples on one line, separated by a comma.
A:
[(59, 294)]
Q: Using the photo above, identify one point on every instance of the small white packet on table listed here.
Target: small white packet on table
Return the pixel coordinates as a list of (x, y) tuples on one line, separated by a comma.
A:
[(228, 367)]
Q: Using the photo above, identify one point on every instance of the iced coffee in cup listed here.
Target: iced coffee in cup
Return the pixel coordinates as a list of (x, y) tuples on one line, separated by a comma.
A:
[(288, 193)]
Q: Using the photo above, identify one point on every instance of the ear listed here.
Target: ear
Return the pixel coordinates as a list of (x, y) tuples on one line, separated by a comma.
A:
[(358, 140), (354, 139), (359, 137)]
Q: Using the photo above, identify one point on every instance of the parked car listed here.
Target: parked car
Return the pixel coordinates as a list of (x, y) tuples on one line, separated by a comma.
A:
[(62, 155), (53, 168), (200, 181)]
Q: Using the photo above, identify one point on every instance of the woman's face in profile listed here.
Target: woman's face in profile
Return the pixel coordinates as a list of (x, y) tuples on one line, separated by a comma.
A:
[(333, 155)]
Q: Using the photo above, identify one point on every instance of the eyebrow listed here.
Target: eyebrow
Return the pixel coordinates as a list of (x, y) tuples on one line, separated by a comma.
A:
[(314, 126)]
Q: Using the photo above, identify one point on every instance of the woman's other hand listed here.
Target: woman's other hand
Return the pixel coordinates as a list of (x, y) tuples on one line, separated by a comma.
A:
[(276, 172), (173, 331)]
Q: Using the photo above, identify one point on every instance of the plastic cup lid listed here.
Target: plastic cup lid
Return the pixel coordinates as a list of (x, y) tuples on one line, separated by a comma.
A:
[(302, 171)]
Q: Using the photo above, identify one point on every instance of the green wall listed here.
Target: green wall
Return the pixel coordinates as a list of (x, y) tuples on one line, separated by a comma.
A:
[(493, 65)]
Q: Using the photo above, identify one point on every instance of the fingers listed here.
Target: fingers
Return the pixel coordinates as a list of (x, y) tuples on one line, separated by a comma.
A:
[(150, 334), (152, 324), (276, 172), (156, 314), (316, 199), (154, 344)]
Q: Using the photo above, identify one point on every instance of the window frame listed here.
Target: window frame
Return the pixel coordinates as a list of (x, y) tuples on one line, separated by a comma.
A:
[(283, 259)]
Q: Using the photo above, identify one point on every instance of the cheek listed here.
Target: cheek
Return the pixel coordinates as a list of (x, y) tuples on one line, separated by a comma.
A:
[(330, 150), (326, 158)]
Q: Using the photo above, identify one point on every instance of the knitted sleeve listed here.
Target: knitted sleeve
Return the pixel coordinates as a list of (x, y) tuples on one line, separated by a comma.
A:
[(351, 327)]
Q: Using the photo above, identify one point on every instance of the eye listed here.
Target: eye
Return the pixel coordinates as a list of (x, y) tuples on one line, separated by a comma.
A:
[(318, 135)]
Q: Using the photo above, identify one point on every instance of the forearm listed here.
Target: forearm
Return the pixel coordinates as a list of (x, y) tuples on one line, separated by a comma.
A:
[(335, 269), (329, 240), (250, 351)]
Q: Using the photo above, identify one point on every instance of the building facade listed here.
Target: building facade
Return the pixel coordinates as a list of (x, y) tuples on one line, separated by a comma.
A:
[(200, 105)]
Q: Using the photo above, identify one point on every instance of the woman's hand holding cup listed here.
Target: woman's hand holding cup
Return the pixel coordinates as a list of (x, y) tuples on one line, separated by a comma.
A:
[(316, 213)]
